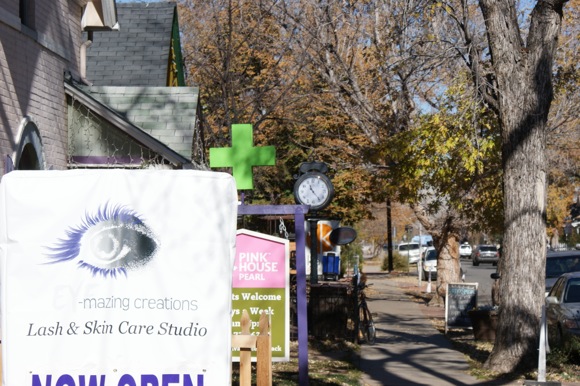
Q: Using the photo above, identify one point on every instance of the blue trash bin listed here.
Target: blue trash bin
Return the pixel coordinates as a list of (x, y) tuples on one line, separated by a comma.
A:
[(330, 266)]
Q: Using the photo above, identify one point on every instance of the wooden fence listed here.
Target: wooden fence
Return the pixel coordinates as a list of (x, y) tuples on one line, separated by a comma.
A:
[(262, 343)]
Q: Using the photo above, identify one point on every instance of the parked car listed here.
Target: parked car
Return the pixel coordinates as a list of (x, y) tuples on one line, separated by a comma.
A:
[(559, 263), (411, 250), (426, 241), (485, 254), (430, 263), (465, 251), (563, 310)]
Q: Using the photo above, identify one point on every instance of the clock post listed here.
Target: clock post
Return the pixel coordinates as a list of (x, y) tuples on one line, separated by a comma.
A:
[(313, 188), (313, 251)]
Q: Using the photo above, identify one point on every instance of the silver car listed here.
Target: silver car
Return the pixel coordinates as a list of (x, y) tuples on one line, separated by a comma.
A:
[(563, 310), (559, 263), (485, 254)]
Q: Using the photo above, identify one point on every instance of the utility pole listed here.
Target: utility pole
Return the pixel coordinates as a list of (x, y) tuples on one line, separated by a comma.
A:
[(389, 236)]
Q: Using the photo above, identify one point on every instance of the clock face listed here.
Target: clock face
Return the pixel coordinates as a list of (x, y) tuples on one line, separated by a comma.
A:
[(314, 189)]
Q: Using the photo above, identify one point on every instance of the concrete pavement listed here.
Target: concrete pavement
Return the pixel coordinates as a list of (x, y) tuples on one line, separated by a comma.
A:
[(409, 350)]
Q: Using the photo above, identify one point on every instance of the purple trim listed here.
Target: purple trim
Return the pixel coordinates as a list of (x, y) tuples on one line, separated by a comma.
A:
[(272, 209), (8, 165), (302, 304), (106, 160)]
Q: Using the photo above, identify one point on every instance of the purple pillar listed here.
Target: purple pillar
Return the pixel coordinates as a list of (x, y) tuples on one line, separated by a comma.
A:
[(298, 211)]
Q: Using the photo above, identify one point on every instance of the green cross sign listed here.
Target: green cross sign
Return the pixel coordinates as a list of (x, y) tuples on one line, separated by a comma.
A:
[(242, 156)]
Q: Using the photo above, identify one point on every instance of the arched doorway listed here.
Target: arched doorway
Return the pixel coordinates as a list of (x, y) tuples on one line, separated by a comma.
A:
[(28, 159), (29, 154)]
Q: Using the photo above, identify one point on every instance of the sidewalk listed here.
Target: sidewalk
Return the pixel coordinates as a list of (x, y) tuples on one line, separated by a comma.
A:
[(408, 349)]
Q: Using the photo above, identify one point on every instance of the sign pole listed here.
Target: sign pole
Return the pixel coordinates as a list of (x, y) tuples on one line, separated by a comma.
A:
[(299, 212), (301, 297), (543, 346)]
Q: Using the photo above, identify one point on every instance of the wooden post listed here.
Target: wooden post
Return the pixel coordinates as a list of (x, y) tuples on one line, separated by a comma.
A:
[(264, 355), (263, 344), (245, 353)]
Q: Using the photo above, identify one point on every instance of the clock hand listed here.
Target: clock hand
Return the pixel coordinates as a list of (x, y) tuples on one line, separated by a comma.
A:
[(313, 192)]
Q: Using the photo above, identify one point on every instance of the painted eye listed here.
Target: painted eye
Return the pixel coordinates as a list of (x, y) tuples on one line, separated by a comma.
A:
[(110, 242)]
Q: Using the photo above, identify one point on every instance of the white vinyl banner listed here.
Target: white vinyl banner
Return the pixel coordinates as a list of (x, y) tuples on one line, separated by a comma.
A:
[(117, 277)]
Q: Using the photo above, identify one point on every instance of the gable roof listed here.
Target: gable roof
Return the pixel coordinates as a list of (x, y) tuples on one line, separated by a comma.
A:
[(138, 53), (162, 119), (166, 113)]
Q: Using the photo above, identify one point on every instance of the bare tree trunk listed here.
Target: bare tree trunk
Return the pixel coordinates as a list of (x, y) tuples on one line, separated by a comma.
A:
[(446, 238), (523, 74), (448, 267)]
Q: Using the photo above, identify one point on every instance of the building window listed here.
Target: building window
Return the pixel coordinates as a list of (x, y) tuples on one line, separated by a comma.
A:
[(27, 13)]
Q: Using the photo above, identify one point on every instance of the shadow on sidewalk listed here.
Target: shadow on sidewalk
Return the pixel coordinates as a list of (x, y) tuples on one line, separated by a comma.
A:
[(409, 350)]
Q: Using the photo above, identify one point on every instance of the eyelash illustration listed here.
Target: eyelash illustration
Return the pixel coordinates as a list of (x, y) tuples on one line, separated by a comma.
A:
[(107, 243)]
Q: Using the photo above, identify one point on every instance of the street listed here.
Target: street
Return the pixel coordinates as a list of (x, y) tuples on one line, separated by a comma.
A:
[(480, 274)]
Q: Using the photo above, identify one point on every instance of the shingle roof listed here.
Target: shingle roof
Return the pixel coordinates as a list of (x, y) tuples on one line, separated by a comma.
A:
[(166, 113), (137, 54), (95, 141)]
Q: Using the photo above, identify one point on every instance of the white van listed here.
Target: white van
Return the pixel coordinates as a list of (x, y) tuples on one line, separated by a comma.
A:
[(411, 250), (426, 241)]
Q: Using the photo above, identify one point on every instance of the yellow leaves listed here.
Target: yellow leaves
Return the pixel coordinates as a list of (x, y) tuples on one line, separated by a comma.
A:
[(454, 155), (435, 120), (445, 6), (559, 199), (474, 165)]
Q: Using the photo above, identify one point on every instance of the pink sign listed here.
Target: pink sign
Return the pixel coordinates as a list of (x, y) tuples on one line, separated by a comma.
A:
[(261, 283), (260, 261)]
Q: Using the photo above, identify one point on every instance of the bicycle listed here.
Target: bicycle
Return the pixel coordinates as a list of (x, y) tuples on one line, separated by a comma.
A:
[(366, 327)]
